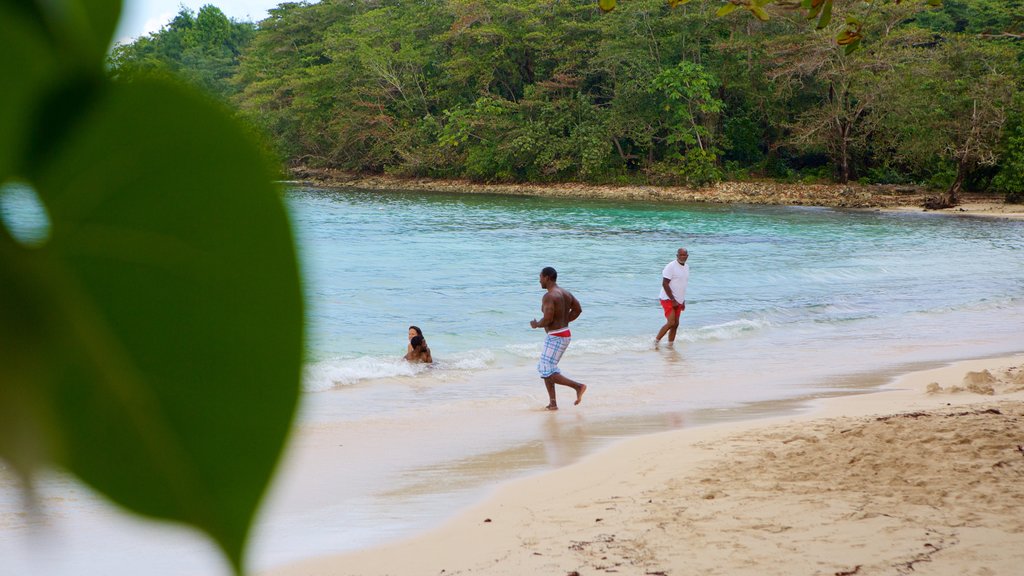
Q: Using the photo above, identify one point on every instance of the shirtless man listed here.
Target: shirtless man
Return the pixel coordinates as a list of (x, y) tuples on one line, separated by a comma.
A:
[(559, 307)]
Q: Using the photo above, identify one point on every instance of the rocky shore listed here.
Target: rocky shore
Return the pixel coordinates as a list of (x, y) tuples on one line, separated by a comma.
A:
[(751, 192)]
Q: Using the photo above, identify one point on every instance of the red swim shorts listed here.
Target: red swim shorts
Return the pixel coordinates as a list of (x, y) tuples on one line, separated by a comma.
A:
[(670, 306)]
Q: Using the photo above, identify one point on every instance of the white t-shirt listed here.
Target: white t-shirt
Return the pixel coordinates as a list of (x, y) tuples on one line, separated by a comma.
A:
[(678, 276)]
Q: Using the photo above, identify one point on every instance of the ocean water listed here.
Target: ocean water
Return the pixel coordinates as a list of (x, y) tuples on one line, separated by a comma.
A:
[(785, 304), (790, 282)]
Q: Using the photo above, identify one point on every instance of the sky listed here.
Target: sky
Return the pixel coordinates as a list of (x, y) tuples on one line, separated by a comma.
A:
[(140, 17)]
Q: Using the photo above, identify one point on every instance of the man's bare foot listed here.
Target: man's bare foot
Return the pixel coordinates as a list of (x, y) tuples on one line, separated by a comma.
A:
[(579, 394), (554, 406)]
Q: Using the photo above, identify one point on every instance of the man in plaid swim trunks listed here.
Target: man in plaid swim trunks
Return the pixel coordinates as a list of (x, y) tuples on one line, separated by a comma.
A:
[(559, 307)]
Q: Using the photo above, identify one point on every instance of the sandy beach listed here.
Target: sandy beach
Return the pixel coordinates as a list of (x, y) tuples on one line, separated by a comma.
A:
[(925, 476)]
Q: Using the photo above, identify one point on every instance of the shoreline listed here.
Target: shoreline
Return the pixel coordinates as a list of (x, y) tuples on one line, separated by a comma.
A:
[(922, 473), (897, 198)]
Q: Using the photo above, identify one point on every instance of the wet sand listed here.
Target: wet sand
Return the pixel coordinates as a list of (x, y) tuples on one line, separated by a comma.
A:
[(924, 477)]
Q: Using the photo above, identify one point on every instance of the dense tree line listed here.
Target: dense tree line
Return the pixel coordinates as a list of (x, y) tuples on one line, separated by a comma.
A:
[(555, 90), (202, 48)]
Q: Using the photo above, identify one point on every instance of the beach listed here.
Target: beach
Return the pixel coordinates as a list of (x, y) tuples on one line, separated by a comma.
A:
[(394, 463), (923, 476)]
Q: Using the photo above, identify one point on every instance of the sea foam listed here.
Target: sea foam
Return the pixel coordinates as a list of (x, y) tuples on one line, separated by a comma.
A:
[(338, 373)]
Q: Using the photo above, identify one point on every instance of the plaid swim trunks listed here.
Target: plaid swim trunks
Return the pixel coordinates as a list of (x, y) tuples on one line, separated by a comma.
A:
[(554, 347)]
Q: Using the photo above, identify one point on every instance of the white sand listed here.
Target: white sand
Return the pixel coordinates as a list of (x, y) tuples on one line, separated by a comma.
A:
[(926, 477)]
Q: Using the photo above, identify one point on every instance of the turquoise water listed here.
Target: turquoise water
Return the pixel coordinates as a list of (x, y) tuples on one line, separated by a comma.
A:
[(784, 305), (464, 268)]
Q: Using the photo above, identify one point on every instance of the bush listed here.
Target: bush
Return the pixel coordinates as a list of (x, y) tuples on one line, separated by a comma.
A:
[(885, 175), (942, 178), (1010, 179), (696, 168)]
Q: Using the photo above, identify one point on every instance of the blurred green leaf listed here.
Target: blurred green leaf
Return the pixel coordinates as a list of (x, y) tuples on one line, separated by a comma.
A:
[(826, 15), (172, 262), (26, 66), (814, 9), (152, 344), (87, 24), (726, 10), (759, 12), (81, 30)]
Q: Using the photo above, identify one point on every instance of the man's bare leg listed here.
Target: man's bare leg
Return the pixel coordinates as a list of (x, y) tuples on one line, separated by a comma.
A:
[(671, 324), (560, 379), (550, 385)]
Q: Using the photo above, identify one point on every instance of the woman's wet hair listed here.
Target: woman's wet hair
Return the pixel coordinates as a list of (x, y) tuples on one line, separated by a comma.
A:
[(417, 329), (416, 341)]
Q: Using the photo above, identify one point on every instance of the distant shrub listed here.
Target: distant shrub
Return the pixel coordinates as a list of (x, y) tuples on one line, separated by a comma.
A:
[(732, 170), (1010, 179), (942, 178), (696, 168), (744, 137), (885, 175)]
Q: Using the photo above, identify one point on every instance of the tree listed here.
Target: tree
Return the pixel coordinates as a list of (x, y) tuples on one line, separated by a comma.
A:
[(203, 48), (1010, 178), (686, 93), (820, 11), (951, 101)]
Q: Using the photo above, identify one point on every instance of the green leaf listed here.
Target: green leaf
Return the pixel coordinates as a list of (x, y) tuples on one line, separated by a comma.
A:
[(100, 17), (155, 341), (759, 12), (606, 5), (852, 46), (826, 15), (82, 29), (26, 67), (726, 10)]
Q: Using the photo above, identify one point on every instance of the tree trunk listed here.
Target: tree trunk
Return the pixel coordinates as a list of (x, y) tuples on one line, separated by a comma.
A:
[(953, 194), (844, 155)]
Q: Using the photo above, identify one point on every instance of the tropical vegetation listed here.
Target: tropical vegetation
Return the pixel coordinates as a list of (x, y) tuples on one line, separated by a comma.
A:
[(556, 90)]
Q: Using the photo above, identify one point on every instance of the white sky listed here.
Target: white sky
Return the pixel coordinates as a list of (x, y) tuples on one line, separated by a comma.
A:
[(140, 17)]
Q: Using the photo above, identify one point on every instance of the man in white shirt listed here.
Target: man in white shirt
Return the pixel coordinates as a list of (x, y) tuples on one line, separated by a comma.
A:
[(674, 278)]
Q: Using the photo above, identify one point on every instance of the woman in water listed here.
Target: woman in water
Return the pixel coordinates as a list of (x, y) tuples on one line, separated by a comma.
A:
[(417, 351)]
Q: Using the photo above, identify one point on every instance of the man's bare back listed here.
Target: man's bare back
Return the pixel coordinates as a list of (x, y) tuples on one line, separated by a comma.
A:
[(562, 304)]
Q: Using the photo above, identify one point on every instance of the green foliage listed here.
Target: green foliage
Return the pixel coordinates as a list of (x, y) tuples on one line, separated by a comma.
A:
[(744, 137), (685, 90), (151, 345), (202, 48), (975, 17), (378, 87), (1010, 179)]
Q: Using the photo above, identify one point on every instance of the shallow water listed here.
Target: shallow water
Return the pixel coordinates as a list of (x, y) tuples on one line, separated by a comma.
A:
[(784, 304)]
